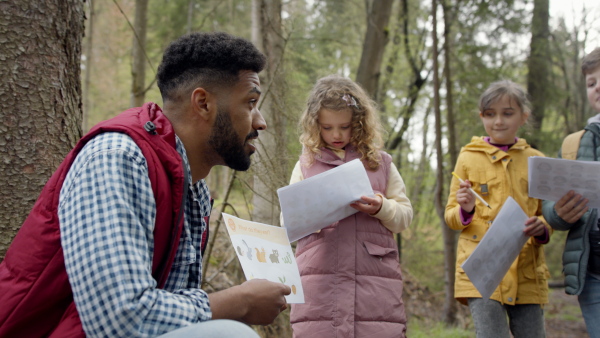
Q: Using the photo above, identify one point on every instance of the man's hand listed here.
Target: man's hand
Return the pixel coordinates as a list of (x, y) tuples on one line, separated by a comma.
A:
[(255, 302), (265, 300), (571, 207)]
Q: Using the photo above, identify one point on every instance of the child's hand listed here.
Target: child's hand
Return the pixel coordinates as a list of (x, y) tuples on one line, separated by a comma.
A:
[(368, 205), (534, 227), (465, 197), (571, 207)]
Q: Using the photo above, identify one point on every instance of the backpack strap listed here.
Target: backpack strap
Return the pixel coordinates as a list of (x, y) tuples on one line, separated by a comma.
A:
[(571, 145)]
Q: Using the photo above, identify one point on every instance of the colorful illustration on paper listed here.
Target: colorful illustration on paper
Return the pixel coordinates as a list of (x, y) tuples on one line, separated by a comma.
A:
[(265, 252)]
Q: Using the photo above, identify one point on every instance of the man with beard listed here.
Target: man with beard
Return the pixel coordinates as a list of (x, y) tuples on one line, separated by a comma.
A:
[(113, 246)]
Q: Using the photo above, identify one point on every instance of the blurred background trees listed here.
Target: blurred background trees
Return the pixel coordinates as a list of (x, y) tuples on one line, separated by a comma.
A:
[(426, 80)]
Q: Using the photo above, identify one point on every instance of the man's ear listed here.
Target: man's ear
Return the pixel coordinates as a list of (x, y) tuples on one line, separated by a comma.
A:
[(203, 103)]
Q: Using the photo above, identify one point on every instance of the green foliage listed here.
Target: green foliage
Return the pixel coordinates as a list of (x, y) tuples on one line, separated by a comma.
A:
[(420, 329)]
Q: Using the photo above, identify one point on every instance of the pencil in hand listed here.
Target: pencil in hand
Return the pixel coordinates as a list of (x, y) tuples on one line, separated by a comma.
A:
[(473, 191)]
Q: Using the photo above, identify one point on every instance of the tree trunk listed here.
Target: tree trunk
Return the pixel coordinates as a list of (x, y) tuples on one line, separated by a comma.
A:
[(440, 205), (450, 304), (452, 140), (376, 38), (190, 17), (538, 64), (423, 168), (270, 162), (138, 68), (40, 100), (88, 67)]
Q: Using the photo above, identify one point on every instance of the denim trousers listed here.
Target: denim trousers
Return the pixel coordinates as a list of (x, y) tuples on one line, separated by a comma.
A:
[(589, 301), (218, 328), (495, 320)]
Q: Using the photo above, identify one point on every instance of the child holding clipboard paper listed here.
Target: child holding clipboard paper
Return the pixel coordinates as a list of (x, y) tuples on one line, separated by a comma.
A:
[(350, 270), (495, 167), (581, 258)]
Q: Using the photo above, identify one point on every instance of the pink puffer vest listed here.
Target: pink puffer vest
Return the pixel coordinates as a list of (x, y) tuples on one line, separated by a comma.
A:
[(350, 270)]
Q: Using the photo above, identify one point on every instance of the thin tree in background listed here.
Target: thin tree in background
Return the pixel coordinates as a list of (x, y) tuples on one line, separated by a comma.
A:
[(40, 100), (450, 304), (439, 196), (190, 16), (417, 80), (270, 161), (449, 13), (376, 38), (138, 68), (401, 39), (567, 49), (539, 66)]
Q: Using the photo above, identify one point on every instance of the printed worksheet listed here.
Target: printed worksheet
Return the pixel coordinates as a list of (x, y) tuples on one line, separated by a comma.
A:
[(316, 202), (498, 249), (264, 252), (551, 178)]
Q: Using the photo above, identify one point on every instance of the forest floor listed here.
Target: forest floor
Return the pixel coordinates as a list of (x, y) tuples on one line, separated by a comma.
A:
[(423, 306), (563, 316)]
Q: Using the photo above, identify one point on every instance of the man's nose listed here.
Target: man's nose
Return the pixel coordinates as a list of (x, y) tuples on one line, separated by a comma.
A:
[(258, 121)]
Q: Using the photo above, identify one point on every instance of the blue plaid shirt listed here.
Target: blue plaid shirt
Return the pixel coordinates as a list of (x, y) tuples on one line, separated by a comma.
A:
[(107, 212)]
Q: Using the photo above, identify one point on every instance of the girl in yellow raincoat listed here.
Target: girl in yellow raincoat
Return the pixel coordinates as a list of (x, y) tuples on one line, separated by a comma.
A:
[(495, 167)]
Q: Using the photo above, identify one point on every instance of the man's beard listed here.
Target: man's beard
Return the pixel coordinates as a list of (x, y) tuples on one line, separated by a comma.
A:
[(225, 141)]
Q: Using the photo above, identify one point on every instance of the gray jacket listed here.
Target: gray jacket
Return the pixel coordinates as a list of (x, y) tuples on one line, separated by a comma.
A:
[(577, 246)]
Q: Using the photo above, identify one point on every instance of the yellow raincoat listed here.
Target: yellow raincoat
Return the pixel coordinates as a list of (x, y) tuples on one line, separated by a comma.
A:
[(495, 175)]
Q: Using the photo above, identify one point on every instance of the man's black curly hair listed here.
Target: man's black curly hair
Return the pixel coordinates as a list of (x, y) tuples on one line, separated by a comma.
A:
[(206, 59)]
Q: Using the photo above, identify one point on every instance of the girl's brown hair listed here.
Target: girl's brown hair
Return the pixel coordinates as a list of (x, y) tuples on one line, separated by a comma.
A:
[(505, 87), (590, 62), (338, 93)]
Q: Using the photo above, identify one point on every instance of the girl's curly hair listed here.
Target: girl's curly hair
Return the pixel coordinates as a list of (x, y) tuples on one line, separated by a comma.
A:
[(338, 93)]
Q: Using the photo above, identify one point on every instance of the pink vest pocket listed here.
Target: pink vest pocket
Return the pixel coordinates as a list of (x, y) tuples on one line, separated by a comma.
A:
[(379, 251)]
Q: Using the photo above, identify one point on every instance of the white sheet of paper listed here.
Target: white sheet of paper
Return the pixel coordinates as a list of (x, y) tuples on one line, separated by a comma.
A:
[(316, 202), (551, 178), (264, 252), (498, 249)]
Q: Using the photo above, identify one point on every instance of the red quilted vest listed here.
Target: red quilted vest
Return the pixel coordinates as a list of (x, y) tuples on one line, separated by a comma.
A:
[(35, 294)]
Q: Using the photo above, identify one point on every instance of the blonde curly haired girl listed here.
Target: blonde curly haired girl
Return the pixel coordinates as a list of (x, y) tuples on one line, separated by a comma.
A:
[(339, 94), (350, 269)]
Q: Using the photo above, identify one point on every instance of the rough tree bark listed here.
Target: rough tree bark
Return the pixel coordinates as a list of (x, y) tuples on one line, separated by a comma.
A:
[(538, 64), (40, 100), (376, 38)]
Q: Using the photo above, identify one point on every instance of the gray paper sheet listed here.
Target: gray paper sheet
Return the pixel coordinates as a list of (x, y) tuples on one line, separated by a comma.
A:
[(314, 203)]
